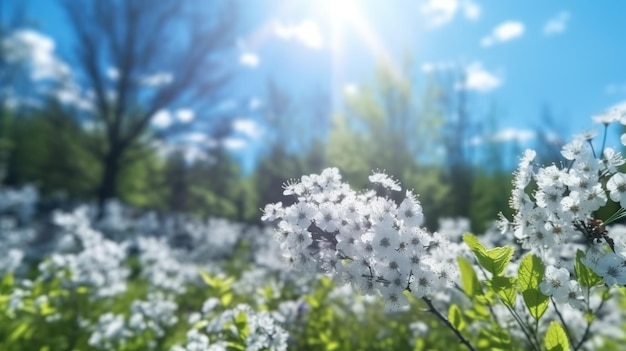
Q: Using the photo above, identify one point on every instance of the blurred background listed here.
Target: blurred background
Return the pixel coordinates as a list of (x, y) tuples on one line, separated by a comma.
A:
[(207, 107)]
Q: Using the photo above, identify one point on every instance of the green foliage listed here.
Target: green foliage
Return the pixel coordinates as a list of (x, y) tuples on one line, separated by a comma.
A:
[(530, 274), (505, 287), (493, 260), (489, 197), (220, 287), (556, 339), (48, 149), (469, 280), (456, 317)]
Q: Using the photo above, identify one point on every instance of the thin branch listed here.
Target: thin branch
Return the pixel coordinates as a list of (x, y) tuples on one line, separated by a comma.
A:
[(445, 321), (567, 331)]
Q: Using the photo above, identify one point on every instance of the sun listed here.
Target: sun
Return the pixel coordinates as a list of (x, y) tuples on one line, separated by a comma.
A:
[(342, 12)]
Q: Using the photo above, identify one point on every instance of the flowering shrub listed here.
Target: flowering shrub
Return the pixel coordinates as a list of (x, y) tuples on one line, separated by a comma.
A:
[(364, 239), (377, 246)]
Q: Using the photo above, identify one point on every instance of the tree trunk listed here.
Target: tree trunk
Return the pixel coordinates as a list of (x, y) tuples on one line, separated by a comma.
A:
[(108, 185)]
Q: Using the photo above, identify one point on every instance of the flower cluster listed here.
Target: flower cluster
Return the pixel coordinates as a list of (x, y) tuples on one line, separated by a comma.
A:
[(92, 260), (365, 239), (261, 331), (555, 210)]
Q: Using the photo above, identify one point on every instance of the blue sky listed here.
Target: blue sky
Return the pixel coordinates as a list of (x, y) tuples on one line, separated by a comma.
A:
[(519, 56)]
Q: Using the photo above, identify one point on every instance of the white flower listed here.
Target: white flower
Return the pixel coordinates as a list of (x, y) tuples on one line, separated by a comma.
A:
[(385, 181), (612, 159), (410, 211), (386, 240), (617, 188), (329, 178), (300, 214), (395, 300), (327, 218), (423, 282), (293, 187), (587, 135), (299, 239), (573, 149), (613, 114), (612, 269), (272, 211), (575, 296), (556, 284)]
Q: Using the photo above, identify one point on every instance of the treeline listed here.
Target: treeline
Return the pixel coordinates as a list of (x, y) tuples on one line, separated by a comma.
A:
[(387, 124)]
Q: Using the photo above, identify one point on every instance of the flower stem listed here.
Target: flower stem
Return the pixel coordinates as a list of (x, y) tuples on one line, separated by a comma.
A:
[(445, 321)]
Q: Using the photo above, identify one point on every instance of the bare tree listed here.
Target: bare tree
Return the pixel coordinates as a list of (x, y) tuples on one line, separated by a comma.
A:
[(457, 131), (141, 56)]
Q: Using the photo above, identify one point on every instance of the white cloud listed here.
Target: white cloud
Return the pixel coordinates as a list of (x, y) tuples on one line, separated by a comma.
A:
[(157, 79), (247, 127), (504, 32), (513, 134), (197, 138), (249, 59), (479, 79), (505, 135), (306, 32), (193, 154), (557, 24), (441, 12), (37, 50), (71, 95), (162, 119), (185, 115), (234, 143)]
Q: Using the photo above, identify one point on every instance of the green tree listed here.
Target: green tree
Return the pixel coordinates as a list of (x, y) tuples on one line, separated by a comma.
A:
[(45, 151), (295, 137), (391, 125), (165, 54)]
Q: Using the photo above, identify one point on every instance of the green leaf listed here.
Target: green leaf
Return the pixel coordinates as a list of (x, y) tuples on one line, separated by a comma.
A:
[(586, 277), (18, 332), (493, 260), (469, 279), (312, 301), (473, 243), (556, 339), (536, 302), (505, 288), (235, 345), (494, 339), (241, 322), (210, 281), (530, 274), (226, 299), (456, 317), (7, 282), (501, 256)]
